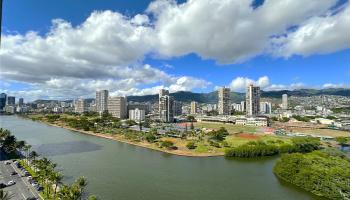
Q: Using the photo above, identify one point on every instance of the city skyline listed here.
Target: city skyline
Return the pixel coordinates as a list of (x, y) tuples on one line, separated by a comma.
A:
[(273, 60)]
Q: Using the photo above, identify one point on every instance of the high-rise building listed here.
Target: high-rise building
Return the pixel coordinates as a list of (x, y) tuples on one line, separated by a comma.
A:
[(243, 106), (265, 108), (284, 101), (20, 101), (194, 107), (237, 107), (101, 101), (166, 106), (141, 106), (252, 100), (3, 98), (11, 100), (224, 101), (117, 107), (137, 115), (177, 108), (80, 106)]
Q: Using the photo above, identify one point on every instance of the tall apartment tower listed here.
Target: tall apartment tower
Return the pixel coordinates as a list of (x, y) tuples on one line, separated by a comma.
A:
[(284, 101), (11, 101), (80, 106), (117, 107), (101, 101), (166, 106), (194, 107), (224, 101), (252, 100), (20, 101), (3, 98)]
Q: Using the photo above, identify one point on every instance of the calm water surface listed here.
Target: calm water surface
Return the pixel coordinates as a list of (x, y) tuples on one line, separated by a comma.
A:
[(118, 171)]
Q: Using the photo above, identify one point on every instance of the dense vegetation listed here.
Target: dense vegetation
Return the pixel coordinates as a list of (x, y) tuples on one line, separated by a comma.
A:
[(341, 110), (260, 148), (42, 169), (323, 173)]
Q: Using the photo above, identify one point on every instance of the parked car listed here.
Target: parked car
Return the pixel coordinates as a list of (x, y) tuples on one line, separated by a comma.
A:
[(11, 183), (7, 162), (13, 173), (2, 185), (31, 198), (39, 188)]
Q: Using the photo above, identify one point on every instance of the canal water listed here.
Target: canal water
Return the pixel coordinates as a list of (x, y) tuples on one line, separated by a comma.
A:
[(119, 171)]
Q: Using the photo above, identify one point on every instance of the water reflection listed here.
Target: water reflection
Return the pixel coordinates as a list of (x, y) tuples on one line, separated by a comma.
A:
[(64, 148)]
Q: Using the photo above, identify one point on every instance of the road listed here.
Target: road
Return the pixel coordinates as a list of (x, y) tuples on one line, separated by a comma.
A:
[(22, 189)]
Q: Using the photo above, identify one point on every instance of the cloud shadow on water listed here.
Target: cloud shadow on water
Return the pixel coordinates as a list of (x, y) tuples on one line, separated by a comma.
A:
[(64, 148)]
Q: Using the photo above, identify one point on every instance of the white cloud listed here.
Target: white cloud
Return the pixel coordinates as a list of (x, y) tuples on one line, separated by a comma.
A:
[(241, 83), (335, 85), (293, 86), (107, 50), (318, 35), (227, 30)]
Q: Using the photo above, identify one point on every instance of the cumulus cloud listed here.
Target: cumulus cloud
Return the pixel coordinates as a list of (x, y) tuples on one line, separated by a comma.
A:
[(107, 50), (318, 35), (227, 30), (241, 83), (335, 85)]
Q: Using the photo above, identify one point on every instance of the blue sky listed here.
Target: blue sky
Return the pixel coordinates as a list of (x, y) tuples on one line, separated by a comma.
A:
[(138, 47)]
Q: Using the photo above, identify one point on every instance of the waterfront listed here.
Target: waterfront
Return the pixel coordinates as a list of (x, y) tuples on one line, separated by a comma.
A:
[(117, 170)]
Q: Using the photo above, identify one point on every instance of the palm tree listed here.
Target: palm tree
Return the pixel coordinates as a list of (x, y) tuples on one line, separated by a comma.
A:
[(5, 195), (82, 183), (33, 155), (56, 178)]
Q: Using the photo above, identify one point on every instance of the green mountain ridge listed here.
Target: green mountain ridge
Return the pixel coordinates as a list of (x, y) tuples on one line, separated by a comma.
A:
[(211, 97)]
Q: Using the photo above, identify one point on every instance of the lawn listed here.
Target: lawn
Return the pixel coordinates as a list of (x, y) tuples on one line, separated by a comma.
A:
[(325, 132), (231, 128), (236, 140)]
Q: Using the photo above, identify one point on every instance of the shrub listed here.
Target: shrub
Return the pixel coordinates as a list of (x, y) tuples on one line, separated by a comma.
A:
[(306, 144), (214, 144), (150, 137), (166, 144), (320, 173), (191, 145)]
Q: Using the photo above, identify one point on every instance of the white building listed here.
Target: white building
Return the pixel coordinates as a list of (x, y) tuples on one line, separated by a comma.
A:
[(137, 115), (252, 100), (237, 107), (252, 121), (80, 106), (166, 106), (285, 101), (194, 107), (265, 108), (117, 107), (101, 101)]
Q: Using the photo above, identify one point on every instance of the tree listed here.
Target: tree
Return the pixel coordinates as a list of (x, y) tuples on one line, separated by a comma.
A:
[(92, 197), (191, 145), (191, 119), (342, 140), (56, 178), (219, 135), (306, 144), (81, 183), (33, 155), (5, 195), (150, 137)]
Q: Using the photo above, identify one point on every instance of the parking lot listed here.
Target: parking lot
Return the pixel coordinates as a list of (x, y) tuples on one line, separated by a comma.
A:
[(21, 189)]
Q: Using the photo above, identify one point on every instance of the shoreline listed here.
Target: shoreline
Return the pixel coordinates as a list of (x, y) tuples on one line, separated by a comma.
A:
[(138, 144)]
